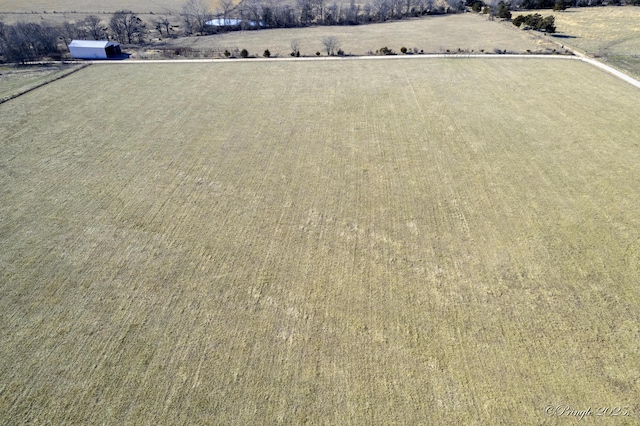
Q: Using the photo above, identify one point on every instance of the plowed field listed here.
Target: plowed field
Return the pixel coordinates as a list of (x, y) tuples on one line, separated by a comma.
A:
[(348, 242)]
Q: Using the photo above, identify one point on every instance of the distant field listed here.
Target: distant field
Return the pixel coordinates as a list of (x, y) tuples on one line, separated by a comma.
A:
[(611, 33), (432, 34), (412, 242), (50, 6)]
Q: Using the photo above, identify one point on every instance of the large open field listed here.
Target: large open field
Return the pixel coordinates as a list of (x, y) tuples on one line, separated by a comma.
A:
[(610, 33), (436, 241), (92, 6)]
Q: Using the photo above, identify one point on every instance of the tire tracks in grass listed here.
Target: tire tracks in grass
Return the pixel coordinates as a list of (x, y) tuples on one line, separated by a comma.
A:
[(466, 252)]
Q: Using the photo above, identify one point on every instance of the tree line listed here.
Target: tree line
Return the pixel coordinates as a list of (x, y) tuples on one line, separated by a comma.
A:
[(256, 14), (22, 42), (30, 41)]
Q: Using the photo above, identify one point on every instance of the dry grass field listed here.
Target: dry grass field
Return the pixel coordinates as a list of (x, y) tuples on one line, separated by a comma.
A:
[(16, 80), (92, 6), (610, 33), (437, 241), (432, 34)]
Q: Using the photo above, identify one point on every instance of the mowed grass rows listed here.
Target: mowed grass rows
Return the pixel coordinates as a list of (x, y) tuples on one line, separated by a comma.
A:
[(426, 241)]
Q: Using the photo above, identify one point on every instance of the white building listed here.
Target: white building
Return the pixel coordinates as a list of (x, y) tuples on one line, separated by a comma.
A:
[(94, 49), (229, 22)]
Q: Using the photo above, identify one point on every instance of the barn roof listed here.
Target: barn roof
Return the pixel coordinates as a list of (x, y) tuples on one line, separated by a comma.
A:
[(224, 22), (95, 44), (230, 22)]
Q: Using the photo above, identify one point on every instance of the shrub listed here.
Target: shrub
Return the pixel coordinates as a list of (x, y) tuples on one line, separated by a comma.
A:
[(244, 53), (560, 5), (536, 22), (183, 51), (477, 6), (518, 20), (318, 53), (227, 53), (266, 53), (403, 49), (503, 11), (548, 24)]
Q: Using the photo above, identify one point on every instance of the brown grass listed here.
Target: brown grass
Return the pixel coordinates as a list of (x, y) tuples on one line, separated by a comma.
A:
[(15, 80), (92, 6), (450, 241), (610, 33), (468, 32)]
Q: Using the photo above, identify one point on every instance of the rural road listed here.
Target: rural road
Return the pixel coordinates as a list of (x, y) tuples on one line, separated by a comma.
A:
[(578, 56)]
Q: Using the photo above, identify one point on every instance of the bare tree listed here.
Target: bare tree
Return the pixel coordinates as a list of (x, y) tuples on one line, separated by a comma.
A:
[(367, 12), (27, 41), (126, 26), (331, 45), (94, 27), (430, 5), (352, 14), (196, 13), (382, 9), (71, 31), (250, 10), (307, 11), (281, 16), (295, 47), (226, 7), (332, 14), (163, 23), (320, 9), (421, 6)]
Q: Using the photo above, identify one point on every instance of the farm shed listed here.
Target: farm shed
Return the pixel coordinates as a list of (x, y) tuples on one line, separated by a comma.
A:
[(94, 49)]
